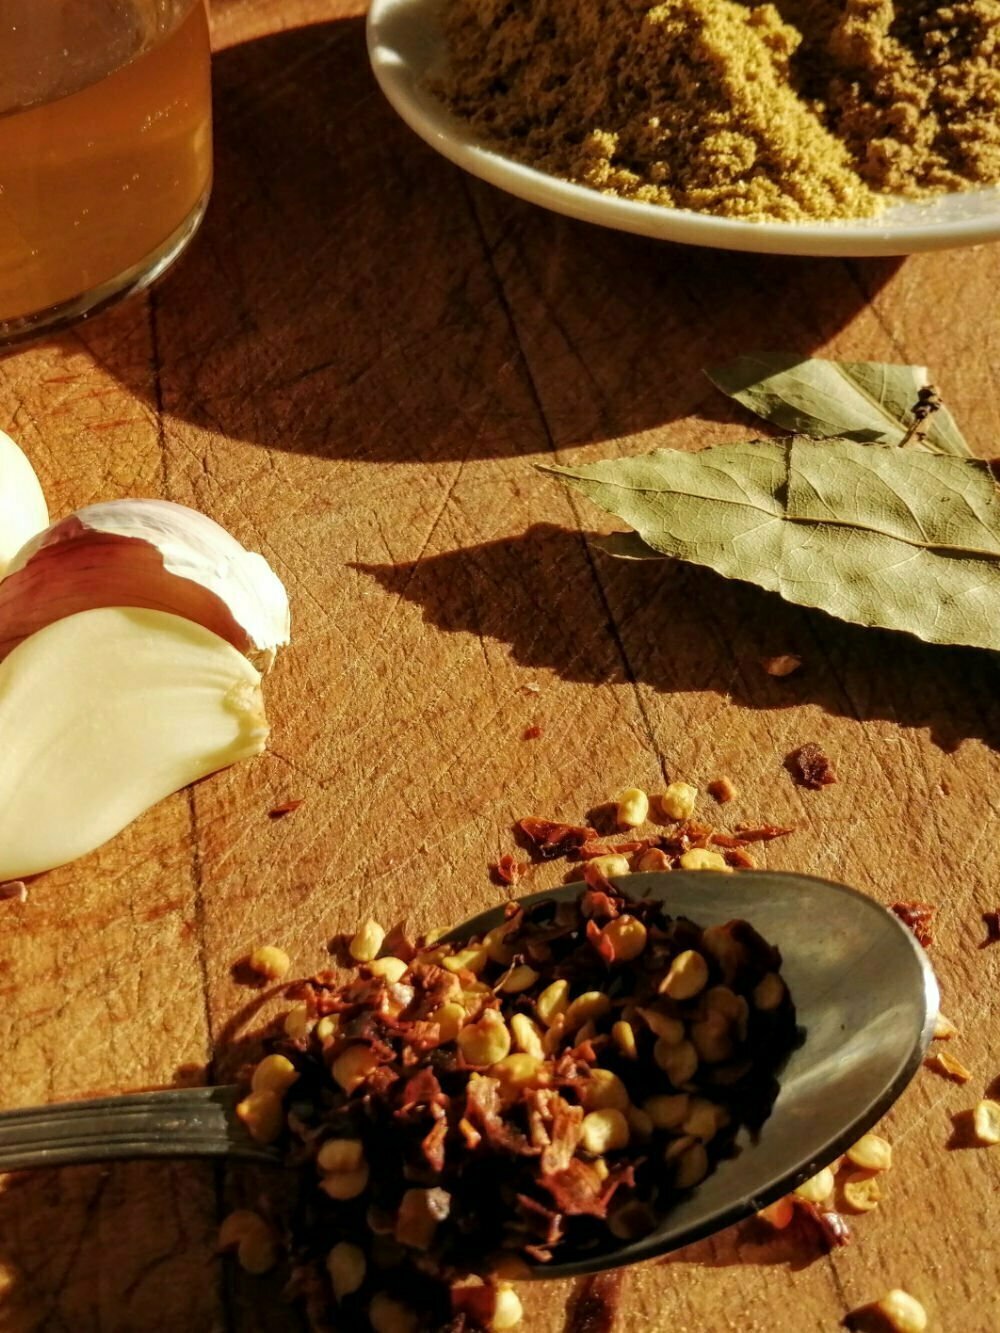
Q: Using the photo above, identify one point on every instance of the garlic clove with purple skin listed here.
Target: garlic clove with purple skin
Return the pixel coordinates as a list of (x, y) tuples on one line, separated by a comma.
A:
[(145, 553)]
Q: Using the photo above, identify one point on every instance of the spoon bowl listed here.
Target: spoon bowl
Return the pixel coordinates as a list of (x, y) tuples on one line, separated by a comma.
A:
[(865, 997)]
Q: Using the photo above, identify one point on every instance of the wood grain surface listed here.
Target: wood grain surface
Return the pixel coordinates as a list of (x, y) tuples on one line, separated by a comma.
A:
[(353, 369)]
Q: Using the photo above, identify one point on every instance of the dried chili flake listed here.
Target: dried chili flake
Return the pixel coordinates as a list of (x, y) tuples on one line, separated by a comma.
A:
[(811, 767), (739, 859), (413, 1072), (600, 903), (919, 917), (587, 851), (577, 1190), (832, 1226), (398, 943), (423, 1090), (546, 1222), (991, 920), (720, 838), (476, 1303), (433, 1145), (784, 664), (596, 879), (595, 1308), (551, 839), (285, 808), (532, 733), (509, 870), (722, 790), (763, 832)]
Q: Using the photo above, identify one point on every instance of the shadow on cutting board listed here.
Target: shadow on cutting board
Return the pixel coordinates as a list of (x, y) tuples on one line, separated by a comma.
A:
[(683, 629), (352, 295)]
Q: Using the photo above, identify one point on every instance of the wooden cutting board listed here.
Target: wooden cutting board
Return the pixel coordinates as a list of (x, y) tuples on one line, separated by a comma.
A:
[(353, 369)]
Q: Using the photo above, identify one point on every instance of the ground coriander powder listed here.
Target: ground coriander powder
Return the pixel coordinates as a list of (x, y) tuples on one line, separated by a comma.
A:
[(798, 110)]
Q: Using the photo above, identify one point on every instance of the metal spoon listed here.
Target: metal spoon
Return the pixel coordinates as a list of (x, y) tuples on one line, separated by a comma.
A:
[(863, 990)]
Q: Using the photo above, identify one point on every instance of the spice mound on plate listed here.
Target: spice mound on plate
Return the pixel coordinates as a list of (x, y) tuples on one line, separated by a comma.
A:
[(541, 1094), (804, 109)]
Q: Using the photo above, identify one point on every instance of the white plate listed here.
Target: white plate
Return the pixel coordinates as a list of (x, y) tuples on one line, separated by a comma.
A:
[(405, 46)]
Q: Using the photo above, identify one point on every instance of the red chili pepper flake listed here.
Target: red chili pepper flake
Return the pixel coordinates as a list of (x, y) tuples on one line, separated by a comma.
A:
[(595, 878), (550, 839), (720, 838), (919, 917), (474, 1304), (443, 1123), (595, 1308), (739, 859), (991, 920), (14, 890), (508, 870), (832, 1226), (600, 902), (763, 832), (785, 664), (285, 808), (721, 790), (811, 767), (532, 733), (588, 850)]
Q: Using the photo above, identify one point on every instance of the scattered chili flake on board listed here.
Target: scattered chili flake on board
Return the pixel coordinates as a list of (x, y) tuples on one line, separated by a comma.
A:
[(532, 733), (739, 859), (991, 920), (811, 767), (785, 664), (919, 917), (763, 832), (832, 1226), (588, 850), (14, 891), (285, 808), (595, 1308), (550, 839), (508, 870), (721, 790)]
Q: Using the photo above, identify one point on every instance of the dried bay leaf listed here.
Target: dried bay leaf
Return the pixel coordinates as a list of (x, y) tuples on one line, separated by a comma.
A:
[(866, 401), (901, 539)]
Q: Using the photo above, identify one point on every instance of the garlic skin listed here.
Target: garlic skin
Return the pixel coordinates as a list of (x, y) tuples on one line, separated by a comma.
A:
[(23, 511), (102, 715), (145, 553)]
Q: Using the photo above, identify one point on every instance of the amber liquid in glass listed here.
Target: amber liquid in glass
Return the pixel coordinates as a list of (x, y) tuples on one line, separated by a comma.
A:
[(105, 147)]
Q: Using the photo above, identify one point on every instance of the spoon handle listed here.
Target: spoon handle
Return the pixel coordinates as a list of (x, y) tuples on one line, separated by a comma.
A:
[(185, 1122)]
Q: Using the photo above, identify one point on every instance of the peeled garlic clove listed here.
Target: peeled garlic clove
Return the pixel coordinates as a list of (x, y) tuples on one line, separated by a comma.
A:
[(145, 553), (103, 714), (23, 511)]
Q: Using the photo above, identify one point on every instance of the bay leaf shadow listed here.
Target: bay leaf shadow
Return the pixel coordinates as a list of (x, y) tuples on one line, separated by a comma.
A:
[(686, 629), (343, 297)]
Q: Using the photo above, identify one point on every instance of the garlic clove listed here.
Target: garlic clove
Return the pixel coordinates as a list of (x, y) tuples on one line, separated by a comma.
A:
[(145, 553), (104, 713), (23, 511)]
